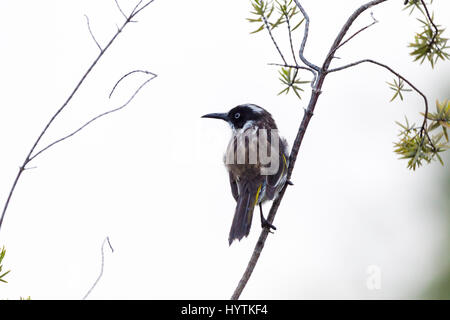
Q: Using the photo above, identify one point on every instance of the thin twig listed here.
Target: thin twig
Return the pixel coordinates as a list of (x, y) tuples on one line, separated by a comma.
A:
[(309, 111), (120, 9), (292, 66), (436, 30), (136, 11), (101, 268), (273, 39), (64, 105), (128, 74), (297, 67), (290, 38), (92, 35)]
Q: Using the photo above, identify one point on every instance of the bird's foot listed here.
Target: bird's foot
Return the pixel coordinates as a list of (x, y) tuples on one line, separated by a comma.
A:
[(267, 225)]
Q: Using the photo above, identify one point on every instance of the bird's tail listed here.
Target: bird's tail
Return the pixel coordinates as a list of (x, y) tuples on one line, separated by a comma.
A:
[(242, 221)]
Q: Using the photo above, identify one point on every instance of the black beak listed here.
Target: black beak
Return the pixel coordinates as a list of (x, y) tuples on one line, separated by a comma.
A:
[(223, 116)]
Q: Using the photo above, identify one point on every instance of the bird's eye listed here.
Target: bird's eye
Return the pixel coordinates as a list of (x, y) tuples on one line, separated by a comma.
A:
[(237, 115)]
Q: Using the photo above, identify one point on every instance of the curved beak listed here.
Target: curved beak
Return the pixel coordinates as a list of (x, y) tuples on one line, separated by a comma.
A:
[(223, 116)]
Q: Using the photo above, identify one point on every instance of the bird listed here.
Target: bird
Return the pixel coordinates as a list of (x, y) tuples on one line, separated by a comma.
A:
[(257, 161)]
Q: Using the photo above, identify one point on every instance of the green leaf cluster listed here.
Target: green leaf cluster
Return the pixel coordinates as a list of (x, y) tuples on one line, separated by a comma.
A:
[(428, 44), (262, 13), (2, 255), (264, 16), (291, 80), (398, 87), (418, 144)]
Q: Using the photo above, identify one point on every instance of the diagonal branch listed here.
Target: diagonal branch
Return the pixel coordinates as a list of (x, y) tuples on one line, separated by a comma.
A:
[(273, 39), (65, 104), (309, 111)]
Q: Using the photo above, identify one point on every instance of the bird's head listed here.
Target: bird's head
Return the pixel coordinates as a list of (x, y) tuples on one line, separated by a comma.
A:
[(244, 116)]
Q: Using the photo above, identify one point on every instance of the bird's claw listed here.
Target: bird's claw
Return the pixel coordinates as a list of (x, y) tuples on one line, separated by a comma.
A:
[(266, 225)]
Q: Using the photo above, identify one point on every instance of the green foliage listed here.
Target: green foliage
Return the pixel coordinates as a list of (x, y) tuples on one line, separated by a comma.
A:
[(286, 12), (398, 87), (428, 44), (418, 145), (291, 81), (263, 9), (2, 255), (262, 13), (440, 119)]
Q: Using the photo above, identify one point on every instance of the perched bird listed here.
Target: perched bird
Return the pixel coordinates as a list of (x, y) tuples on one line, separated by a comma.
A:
[(257, 161)]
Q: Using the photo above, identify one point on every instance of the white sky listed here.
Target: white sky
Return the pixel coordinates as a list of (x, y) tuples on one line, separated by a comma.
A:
[(151, 176)]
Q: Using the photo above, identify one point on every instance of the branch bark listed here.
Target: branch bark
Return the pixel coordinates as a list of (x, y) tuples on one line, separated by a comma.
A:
[(309, 111)]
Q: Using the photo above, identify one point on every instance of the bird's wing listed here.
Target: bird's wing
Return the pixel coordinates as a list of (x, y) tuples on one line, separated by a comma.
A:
[(234, 187), (275, 182)]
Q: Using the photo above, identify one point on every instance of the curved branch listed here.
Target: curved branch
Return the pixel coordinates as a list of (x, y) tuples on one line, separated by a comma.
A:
[(309, 111), (424, 124), (101, 267), (305, 37), (337, 42)]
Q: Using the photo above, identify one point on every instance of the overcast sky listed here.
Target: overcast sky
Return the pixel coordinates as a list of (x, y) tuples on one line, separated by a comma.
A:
[(151, 176)]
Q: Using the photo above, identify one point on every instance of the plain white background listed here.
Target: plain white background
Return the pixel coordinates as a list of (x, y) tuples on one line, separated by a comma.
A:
[(151, 176)]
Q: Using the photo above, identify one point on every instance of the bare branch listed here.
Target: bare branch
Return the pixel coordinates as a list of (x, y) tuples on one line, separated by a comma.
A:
[(102, 114), (273, 39), (29, 156), (305, 37), (92, 35), (120, 9), (309, 111), (101, 269)]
